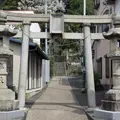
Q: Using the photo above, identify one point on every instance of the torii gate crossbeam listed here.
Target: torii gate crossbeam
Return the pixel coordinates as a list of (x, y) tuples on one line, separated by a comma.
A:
[(72, 36), (100, 19)]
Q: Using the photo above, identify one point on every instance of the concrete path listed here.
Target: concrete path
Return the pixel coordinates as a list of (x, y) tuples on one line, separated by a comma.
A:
[(58, 102)]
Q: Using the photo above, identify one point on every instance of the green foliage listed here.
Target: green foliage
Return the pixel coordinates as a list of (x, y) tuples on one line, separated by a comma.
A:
[(98, 85), (51, 66), (96, 79), (27, 96), (75, 7), (72, 46), (10, 5)]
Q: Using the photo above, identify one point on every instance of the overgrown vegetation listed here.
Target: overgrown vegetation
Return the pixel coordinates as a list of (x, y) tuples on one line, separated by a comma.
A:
[(97, 82), (51, 67), (75, 7), (10, 5)]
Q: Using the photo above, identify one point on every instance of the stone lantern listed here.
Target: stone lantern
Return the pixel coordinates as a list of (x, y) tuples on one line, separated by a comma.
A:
[(7, 96), (112, 97), (111, 103)]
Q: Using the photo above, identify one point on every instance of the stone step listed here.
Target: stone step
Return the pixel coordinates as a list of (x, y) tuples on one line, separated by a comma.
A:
[(90, 115)]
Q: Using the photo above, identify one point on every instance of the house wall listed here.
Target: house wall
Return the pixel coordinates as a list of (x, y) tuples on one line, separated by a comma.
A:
[(103, 7), (102, 47), (16, 60), (35, 81)]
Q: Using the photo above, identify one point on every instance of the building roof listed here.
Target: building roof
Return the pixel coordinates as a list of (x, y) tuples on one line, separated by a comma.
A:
[(32, 45)]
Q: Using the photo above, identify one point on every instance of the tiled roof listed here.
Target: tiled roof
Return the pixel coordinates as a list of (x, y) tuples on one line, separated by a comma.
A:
[(31, 44)]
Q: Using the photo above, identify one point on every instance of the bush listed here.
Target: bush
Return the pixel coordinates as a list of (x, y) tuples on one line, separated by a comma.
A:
[(97, 82), (51, 66), (96, 78)]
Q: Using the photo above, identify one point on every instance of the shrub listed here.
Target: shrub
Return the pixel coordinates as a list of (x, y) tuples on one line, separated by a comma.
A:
[(97, 82), (51, 66), (96, 78)]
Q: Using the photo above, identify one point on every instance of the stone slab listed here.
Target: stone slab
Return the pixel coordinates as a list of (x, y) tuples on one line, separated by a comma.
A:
[(13, 115), (112, 95), (7, 94), (106, 115), (8, 105), (111, 105)]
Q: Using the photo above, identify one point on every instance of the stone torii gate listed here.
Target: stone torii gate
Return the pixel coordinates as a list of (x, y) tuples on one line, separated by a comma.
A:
[(57, 29)]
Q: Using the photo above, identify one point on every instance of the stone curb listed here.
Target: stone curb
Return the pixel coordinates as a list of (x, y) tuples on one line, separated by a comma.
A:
[(32, 99)]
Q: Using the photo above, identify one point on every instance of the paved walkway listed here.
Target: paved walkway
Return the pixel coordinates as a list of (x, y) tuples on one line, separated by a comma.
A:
[(58, 102)]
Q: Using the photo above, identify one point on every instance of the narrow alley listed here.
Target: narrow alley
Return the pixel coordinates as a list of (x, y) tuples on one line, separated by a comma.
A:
[(59, 101)]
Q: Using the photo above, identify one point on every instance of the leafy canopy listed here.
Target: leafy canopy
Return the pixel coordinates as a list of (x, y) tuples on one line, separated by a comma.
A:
[(75, 7), (10, 5)]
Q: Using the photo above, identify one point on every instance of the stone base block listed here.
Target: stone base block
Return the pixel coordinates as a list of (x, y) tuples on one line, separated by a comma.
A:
[(8, 105), (106, 115), (111, 105), (7, 94), (13, 115), (112, 95)]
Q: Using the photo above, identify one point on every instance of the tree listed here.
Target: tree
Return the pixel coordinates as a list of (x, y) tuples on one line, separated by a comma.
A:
[(10, 5), (39, 5), (75, 7)]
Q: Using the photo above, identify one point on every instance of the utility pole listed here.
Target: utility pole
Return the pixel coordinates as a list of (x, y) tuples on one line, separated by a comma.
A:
[(46, 45), (47, 62), (84, 8), (87, 59), (83, 59)]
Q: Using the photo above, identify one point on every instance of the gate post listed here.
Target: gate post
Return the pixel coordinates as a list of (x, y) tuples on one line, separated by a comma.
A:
[(89, 67), (23, 64)]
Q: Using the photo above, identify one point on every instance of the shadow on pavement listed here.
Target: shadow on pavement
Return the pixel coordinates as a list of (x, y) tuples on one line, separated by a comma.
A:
[(76, 83), (76, 109), (31, 101)]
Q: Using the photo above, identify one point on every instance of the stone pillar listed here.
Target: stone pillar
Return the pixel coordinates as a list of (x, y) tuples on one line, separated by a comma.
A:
[(6, 42), (43, 73), (7, 96), (30, 71), (111, 101), (35, 75), (41, 67), (47, 71), (24, 64), (112, 96), (89, 67), (113, 44), (27, 82), (39, 74), (117, 6)]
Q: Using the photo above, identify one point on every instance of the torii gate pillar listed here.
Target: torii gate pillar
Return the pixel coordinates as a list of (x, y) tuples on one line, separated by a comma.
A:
[(89, 67), (24, 64), (57, 29)]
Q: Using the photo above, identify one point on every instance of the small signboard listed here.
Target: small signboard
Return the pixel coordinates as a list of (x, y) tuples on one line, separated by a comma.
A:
[(57, 23)]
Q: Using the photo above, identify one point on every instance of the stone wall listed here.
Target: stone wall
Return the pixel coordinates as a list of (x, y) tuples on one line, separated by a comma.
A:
[(59, 69)]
